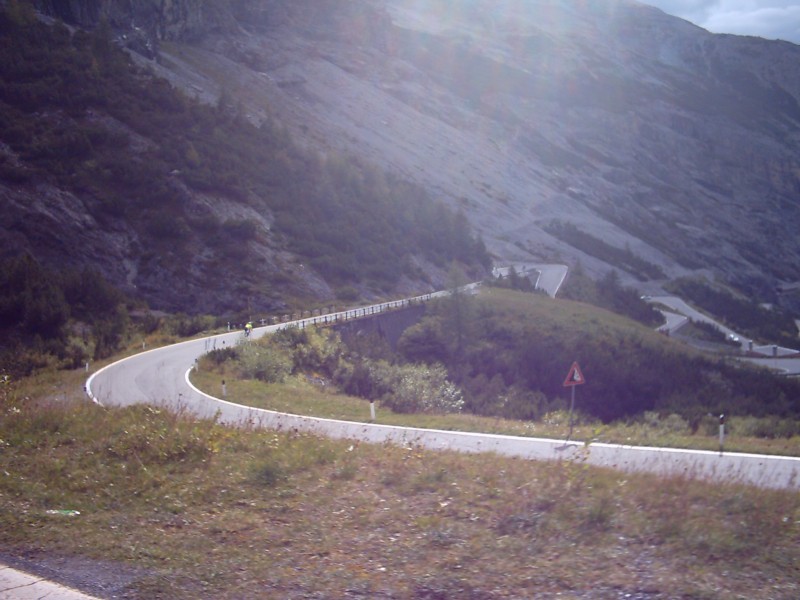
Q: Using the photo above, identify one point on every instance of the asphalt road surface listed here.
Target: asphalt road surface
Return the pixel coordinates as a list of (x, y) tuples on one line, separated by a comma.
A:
[(781, 359), (161, 377)]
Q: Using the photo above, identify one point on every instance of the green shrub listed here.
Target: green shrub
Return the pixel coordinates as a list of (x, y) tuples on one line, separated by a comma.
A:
[(512, 340), (671, 423), (361, 378), (31, 298), (425, 341), (764, 427), (420, 389), (264, 360), (184, 325), (220, 355), (312, 350), (608, 293)]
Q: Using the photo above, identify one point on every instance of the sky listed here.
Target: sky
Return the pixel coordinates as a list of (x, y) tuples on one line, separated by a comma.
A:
[(771, 19)]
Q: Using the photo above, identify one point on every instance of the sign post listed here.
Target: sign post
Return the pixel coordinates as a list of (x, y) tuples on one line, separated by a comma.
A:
[(574, 378)]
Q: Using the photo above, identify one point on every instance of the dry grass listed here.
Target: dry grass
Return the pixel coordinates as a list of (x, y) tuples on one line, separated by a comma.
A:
[(202, 511)]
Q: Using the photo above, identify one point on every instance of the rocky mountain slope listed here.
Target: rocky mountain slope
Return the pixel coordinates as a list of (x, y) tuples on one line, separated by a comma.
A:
[(648, 133), (190, 206)]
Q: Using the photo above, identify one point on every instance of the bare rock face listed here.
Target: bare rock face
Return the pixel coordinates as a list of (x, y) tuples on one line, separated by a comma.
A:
[(59, 229), (157, 19), (641, 129)]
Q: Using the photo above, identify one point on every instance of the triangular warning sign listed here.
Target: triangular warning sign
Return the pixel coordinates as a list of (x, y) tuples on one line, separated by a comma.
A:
[(574, 377)]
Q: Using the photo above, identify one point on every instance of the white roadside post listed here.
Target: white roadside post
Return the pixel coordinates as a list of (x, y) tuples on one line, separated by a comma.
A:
[(372, 410), (721, 433)]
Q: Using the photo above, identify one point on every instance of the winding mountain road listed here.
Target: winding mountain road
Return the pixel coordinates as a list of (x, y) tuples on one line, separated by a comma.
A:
[(783, 360), (161, 377)]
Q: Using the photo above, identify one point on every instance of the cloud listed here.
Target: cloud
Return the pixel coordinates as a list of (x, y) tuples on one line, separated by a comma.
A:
[(771, 19), (770, 22)]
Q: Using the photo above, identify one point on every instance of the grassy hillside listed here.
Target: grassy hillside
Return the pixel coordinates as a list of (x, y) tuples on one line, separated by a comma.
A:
[(506, 354), (519, 347), (516, 350), (172, 507)]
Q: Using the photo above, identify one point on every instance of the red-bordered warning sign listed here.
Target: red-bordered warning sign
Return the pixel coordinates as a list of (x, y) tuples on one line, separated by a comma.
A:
[(574, 377)]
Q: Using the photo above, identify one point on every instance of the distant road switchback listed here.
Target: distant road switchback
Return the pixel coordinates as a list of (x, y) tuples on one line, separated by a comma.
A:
[(784, 360), (548, 277)]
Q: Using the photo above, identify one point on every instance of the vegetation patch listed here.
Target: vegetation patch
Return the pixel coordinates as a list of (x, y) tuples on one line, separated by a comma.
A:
[(50, 318), (191, 509), (489, 384), (623, 259), (608, 293), (510, 353)]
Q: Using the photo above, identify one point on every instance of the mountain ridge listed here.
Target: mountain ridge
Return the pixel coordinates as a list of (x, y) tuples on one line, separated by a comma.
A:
[(636, 127)]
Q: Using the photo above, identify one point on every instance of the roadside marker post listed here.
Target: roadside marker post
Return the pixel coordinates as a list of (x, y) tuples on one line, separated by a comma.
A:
[(372, 409), (721, 433), (574, 378)]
